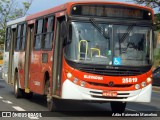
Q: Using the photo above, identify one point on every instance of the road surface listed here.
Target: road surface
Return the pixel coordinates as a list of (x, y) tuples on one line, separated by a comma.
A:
[(67, 108)]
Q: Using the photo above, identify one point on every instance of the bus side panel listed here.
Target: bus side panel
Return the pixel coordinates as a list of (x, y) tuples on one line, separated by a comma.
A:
[(47, 67), (21, 62), (38, 68), (35, 71), (5, 66)]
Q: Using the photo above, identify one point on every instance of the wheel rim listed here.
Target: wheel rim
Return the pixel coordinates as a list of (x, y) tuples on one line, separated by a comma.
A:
[(16, 87)]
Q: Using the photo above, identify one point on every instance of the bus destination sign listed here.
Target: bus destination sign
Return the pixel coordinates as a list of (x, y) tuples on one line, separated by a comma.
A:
[(111, 11)]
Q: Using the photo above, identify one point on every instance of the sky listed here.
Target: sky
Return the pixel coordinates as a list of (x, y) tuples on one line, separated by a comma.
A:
[(39, 5)]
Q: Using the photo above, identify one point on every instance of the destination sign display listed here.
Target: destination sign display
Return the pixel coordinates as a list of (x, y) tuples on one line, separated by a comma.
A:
[(111, 11)]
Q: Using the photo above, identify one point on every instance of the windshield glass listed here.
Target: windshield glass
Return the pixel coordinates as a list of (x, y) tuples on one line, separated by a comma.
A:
[(110, 44)]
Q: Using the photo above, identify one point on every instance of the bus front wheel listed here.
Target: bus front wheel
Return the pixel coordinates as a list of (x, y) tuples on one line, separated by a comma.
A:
[(52, 105), (28, 95), (51, 102), (118, 107)]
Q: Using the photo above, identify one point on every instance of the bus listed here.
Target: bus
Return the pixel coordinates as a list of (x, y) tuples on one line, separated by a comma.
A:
[(89, 51), (1, 56)]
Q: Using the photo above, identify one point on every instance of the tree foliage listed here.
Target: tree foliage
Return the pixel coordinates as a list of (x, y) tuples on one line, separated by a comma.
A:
[(152, 4), (157, 22), (149, 3), (10, 10)]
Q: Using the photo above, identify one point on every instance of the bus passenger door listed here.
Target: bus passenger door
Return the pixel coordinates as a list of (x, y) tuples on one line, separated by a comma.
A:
[(29, 43), (57, 57), (11, 56)]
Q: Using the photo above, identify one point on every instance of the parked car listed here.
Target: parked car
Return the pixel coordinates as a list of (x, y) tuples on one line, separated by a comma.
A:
[(156, 77)]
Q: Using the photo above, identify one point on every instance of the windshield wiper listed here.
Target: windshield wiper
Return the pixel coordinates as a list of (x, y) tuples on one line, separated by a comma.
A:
[(125, 35), (100, 30)]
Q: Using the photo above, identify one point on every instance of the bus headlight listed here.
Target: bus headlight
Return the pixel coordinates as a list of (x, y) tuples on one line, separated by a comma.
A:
[(149, 80), (69, 75), (83, 83), (143, 84), (75, 80), (137, 86)]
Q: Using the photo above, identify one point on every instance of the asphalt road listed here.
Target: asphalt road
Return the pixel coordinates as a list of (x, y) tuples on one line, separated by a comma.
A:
[(38, 104)]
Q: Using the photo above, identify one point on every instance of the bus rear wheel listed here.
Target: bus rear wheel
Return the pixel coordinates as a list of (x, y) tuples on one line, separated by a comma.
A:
[(17, 91), (118, 107)]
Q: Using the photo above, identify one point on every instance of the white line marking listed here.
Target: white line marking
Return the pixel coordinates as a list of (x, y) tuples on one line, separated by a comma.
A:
[(6, 101), (18, 108), (130, 109), (1, 97)]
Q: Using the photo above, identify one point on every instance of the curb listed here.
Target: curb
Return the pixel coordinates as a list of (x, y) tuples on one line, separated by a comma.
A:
[(155, 88)]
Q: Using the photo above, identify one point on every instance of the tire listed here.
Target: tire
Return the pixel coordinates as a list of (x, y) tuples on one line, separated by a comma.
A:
[(28, 95), (51, 102), (118, 107), (52, 105), (17, 91)]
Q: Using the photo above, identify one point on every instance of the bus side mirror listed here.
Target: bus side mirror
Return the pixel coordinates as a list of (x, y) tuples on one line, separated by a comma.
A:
[(65, 33)]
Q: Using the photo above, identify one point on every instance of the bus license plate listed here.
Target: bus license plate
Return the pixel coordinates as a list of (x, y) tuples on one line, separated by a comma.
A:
[(109, 94)]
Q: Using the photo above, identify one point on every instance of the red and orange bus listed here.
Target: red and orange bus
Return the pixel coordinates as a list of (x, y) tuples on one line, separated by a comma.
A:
[(92, 51)]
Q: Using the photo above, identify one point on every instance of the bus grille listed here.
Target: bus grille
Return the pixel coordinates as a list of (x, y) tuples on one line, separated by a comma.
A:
[(106, 85), (112, 72), (109, 97)]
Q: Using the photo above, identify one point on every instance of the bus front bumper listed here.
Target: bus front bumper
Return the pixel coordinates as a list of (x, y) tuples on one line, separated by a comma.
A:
[(75, 92)]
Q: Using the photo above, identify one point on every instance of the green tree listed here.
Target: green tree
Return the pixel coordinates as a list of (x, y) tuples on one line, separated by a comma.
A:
[(157, 22), (10, 10), (152, 4), (149, 3)]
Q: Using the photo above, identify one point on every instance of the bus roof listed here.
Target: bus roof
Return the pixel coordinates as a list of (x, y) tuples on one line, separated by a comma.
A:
[(13, 22), (69, 4), (47, 12)]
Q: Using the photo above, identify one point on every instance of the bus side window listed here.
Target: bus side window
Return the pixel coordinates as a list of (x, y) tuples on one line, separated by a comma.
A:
[(48, 32), (8, 38), (38, 34), (23, 37), (18, 38)]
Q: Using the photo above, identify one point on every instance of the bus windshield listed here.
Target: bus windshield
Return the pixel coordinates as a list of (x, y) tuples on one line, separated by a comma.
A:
[(126, 45)]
